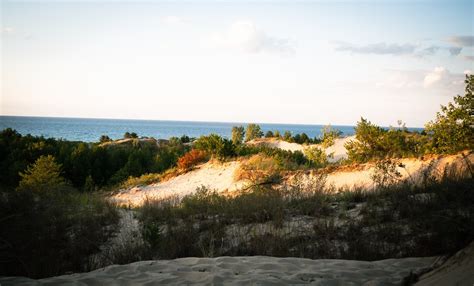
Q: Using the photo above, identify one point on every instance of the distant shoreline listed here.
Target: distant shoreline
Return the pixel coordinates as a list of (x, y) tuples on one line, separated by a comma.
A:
[(90, 129)]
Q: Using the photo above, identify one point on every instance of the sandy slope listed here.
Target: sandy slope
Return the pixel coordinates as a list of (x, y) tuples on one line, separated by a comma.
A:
[(457, 270), (412, 170), (215, 176), (337, 150), (220, 177), (253, 270)]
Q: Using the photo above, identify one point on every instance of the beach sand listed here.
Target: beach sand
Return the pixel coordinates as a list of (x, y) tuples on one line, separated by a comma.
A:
[(252, 270)]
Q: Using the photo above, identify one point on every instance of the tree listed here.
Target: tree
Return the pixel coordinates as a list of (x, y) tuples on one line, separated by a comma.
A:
[(43, 175), (215, 145), (453, 128), (253, 131), (316, 155), (329, 136), (277, 134), (269, 134), (305, 138), (287, 136), (128, 135), (369, 143), (238, 134), (104, 138)]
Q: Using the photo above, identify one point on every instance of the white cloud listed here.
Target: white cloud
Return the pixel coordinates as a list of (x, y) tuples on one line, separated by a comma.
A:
[(7, 31), (244, 36), (435, 76), (172, 20), (379, 48)]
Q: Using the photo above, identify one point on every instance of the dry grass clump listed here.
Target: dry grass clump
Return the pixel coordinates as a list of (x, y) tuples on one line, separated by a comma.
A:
[(258, 169)]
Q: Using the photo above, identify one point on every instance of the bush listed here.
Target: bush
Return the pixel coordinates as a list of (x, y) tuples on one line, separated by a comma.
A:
[(128, 135), (375, 143), (215, 145), (253, 132), (51, 233), (453, 128), (43, 175), (269, 134), (317, 156), (107, 164), (259, 169), (191, 159), (104, 138), (238, 134), (329, 136), (313, 222)]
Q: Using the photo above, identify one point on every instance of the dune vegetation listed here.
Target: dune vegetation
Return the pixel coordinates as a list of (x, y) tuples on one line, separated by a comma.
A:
[(57, 215)]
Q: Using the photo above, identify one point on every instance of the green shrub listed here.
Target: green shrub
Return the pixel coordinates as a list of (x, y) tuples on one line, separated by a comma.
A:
[(50, 233), (253, 132), (215, 145), (43, 175), (316, 156), (329, 136), (453, 128), (238, 134)]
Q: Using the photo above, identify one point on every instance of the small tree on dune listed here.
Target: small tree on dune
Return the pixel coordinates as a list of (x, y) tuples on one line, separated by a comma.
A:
[(43, 175), (238, 134), (253, 131), (453, 128), (269, 134), (287, 136)]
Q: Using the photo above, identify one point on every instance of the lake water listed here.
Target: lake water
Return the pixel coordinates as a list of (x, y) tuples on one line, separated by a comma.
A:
[(90, 130)]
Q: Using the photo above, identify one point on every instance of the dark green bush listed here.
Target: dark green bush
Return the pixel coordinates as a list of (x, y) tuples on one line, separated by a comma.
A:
[(52, 232)]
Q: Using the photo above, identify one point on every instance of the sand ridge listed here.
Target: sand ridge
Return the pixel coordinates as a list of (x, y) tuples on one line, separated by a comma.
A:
[(213, 175), (251, 270)]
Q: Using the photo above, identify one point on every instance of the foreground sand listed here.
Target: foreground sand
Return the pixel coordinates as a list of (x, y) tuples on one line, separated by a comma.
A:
[(252, 270)]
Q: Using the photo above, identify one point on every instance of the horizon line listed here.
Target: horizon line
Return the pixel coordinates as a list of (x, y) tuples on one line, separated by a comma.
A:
[(199, 121)]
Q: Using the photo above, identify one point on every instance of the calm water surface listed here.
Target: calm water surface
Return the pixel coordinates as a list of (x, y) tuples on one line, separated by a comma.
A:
[(90, 130)]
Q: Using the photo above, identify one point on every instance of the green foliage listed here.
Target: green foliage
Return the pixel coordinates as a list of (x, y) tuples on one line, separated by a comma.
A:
[(329, 136), (269, 134), (313, 222), (43, 175), (106, 164), (453, 128), (215, 145), (46, 234), (238, 134), (317, 156), (104, 138), (374, 143), (128, 135), (277, 134), (287, 136), (253, 132)]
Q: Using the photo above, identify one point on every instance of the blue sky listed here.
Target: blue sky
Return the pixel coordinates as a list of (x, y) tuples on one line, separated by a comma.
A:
[(314, 62)]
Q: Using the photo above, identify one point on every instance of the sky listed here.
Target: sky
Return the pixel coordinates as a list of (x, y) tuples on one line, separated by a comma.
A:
[(302, 62)]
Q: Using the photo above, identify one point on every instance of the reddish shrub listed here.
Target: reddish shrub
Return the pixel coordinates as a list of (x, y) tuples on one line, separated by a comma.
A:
[(191, 159)]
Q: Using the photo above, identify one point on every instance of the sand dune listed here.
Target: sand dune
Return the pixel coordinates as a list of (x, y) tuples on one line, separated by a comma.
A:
[(215, 176), (457, 270), (337, 150), (220, 177), (253, 270), (412, 169)]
